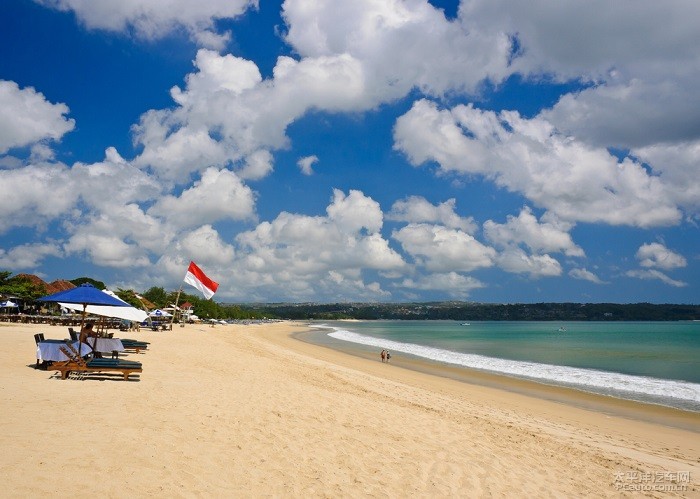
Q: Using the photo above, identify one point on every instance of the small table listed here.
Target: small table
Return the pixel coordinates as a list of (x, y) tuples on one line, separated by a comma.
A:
[(50, 350), (106, 345)]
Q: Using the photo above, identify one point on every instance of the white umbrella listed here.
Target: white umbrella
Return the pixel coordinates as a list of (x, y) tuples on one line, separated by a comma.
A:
[(128, 312), (8, 304)]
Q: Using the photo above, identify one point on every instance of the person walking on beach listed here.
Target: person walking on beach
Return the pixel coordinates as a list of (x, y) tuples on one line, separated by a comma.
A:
[(383, 354), (388, 356)]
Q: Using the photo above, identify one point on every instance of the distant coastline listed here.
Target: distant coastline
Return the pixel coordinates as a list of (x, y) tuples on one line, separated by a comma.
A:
[(470, 311)]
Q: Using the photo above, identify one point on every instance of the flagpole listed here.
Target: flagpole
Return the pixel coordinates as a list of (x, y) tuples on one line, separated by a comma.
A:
[(177, 300)]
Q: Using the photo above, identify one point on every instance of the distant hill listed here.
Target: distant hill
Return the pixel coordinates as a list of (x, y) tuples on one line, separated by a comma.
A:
[(467, 311)]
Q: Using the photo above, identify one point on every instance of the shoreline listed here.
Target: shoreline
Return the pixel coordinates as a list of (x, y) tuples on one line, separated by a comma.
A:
[(249, 410), (607, 404)]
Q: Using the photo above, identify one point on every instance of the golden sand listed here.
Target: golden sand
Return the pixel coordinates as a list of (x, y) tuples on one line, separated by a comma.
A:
[(248, 411)]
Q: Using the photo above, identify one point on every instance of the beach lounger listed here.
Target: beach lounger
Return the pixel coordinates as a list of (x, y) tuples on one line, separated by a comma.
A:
[(38, 338), (136, 345), (75, 363)]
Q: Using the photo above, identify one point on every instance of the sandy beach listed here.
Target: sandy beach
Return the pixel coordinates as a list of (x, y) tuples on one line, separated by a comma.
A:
[(250, 411)]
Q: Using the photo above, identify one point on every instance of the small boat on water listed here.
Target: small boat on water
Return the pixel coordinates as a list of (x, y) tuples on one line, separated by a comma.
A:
[(561, 329), (465, 324)]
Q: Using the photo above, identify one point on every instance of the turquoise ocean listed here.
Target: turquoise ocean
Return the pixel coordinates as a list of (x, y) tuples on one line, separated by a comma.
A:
[(652, 362)]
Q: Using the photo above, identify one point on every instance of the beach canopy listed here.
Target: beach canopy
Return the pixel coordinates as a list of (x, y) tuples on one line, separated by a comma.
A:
[(85, 294), (127, 312), (8, 304)]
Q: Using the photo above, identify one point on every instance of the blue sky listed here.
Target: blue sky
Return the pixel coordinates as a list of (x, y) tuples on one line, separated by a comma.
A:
[(373, 150)]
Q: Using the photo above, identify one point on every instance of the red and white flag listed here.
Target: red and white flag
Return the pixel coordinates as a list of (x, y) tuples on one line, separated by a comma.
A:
[(199, 280)]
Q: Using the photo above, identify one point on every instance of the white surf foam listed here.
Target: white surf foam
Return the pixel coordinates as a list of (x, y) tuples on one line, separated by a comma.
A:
[(681, 394)]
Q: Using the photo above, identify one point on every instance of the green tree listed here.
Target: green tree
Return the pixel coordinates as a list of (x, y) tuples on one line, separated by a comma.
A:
[(19, 286), (206, 309), (129, 296), (89, 280), (157, 296)]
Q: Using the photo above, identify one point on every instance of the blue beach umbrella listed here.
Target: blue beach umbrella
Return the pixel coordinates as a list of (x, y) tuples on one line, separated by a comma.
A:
[(85, 294)]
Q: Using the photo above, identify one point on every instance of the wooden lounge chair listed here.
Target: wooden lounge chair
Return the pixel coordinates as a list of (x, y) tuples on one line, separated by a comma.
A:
[(136, 345), (75, 363), (38, 338)]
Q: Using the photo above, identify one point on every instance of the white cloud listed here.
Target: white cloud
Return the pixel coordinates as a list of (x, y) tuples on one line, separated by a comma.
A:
[(400, 45), (34, 195), (227, 113), (95, 204), (225, 74), (585, 275), (212, 125), (678, 166), (632, 37), (118, 236), (156, 18), (642, 75), (10, 162), (41, 152), (629, 114), (575, 182), (219, 195), (306, 163), (355, 212), (452, 283), (517, 261), (642, 95), (653, 274), (337, 286), (204, 244), (353, 58), (212, 40), (107, 250), (227, 121), (443, 250), (27, 256), (537, 236), (26, 117), (257, 165), (417, 209), (656, 255), (174, 156), (317, 256), (112, 183)]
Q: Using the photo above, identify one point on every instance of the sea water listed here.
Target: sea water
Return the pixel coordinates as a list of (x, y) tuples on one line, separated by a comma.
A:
[(653, 362)]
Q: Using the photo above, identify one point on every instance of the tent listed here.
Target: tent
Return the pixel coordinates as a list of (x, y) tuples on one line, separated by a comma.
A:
[(159, 313)]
